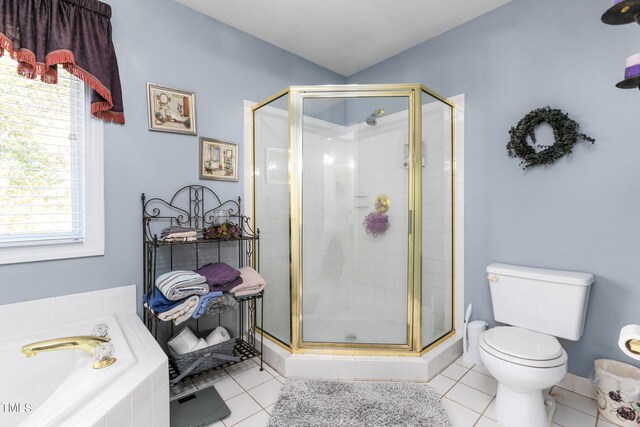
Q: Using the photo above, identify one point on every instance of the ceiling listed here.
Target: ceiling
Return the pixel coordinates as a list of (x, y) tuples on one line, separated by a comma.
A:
[(345, 36)]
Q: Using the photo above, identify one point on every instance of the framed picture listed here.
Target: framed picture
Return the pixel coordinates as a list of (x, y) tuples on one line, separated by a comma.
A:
[(277, 166), (218, 160), (171, 110)]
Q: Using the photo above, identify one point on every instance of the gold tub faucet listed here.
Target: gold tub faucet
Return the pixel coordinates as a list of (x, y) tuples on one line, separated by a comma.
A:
[(98, 347)]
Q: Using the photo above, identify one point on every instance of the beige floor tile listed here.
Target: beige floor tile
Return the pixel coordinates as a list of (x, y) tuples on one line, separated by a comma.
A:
[(242, 407), (252, 377), (469, 397), (569, 417), (266, 394), (228, 388), (480, 382), (575, 401), (459, 415), (261, 419), (455, 372), (441, 384)]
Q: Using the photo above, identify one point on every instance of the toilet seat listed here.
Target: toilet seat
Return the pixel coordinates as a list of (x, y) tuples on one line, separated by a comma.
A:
[(523, 347)]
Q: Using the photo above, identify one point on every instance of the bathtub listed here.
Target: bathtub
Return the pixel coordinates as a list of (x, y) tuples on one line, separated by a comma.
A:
[(46, 390)]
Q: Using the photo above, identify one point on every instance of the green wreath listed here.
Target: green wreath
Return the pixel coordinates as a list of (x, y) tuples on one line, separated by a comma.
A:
[(565, 135)]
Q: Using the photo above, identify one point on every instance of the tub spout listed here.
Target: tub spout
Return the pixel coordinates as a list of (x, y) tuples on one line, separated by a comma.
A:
[(98, 347)]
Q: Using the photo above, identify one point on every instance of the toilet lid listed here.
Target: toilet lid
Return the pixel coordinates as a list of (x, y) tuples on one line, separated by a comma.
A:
[(523, 344)]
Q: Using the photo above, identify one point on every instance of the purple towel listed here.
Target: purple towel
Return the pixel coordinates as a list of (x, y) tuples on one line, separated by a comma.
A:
[(228, 286), (220, 276)]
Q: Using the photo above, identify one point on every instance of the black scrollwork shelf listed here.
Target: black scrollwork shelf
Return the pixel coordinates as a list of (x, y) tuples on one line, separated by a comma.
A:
[(191, 206), (196, 206)]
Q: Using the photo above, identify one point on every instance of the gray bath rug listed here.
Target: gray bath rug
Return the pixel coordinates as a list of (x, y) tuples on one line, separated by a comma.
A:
[(311, 402)]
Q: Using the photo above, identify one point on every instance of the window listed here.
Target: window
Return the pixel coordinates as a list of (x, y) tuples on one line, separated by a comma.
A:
[(51, 169)]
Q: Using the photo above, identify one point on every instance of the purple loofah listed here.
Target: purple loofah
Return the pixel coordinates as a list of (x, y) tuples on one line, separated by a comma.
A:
[(376, 223)]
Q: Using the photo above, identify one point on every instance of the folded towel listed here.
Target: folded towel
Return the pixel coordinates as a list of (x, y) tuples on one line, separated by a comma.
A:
[(159, 303), (182, 234), (179, 284), (175, 229), (180, 312), (249, 291), (218, 274), (183, 342), (252, 283), (220, 304), (227, 286), (204, 301), (217, 336), (202, 343), (180, 239)]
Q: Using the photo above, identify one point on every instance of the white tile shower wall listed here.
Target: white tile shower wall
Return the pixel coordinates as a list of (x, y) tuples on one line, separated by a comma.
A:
[(28, 317), (381, 270), (350, 275)]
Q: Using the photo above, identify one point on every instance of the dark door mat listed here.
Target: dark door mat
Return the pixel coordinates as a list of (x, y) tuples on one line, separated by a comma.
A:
[(198, 409)]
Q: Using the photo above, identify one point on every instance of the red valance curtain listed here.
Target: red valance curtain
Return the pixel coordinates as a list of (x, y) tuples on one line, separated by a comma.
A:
[(42, 34)]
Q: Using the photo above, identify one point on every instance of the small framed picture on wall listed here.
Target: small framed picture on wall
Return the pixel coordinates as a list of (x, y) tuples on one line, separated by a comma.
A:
[(171, 110), (218, 160)]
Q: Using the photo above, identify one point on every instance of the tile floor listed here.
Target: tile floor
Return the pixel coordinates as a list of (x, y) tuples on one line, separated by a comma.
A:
[(468, 394)]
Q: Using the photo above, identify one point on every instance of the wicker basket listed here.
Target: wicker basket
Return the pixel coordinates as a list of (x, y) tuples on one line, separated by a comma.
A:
[(206, 358)]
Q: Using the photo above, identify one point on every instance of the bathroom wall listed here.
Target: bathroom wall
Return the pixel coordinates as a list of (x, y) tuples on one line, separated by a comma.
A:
[(581, 213), (163, 42)]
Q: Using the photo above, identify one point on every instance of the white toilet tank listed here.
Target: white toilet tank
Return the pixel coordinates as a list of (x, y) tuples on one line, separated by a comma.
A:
[(553, 302)]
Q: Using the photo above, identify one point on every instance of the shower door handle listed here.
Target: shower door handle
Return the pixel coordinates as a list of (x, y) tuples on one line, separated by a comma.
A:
[(410, 221)]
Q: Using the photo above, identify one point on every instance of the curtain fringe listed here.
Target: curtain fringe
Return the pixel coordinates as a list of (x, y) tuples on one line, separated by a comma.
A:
[(48, 72)]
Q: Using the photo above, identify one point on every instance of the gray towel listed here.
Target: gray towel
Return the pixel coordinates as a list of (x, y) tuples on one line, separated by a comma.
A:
[(220, 304)]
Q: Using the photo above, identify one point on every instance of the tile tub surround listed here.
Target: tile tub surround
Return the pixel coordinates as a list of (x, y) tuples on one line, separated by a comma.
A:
[(138, 397)]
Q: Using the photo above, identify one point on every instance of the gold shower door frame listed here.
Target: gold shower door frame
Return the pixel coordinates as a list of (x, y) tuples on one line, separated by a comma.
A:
[(413, 92)]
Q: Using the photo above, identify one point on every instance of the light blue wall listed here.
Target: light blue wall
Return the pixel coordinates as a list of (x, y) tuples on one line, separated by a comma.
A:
[(582, 213), (163, 42)]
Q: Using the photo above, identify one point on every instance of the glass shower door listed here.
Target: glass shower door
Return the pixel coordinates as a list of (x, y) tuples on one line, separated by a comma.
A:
[(437, 220), (271, 212), (354, 225)]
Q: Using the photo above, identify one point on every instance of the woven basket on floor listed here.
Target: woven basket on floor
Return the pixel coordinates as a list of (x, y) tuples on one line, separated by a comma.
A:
[(206, 358)]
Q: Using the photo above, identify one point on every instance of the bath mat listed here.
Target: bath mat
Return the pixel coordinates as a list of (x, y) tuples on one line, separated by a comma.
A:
[(312, 402), (199, 409)]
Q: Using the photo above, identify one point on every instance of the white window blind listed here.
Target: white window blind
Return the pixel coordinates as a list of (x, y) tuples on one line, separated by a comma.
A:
[(42, 159)]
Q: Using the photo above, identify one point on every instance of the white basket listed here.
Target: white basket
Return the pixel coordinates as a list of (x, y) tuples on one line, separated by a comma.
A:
[(618, 392)]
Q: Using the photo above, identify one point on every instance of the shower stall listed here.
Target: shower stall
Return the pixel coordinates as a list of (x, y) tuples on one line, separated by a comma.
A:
[(353, 194)]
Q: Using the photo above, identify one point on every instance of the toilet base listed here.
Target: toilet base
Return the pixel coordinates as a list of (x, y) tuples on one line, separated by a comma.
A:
[(524, 409)]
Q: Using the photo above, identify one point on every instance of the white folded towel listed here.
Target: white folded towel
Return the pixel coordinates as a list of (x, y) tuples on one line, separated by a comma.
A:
[(183, 342), (181, 312), (202, 343), (181, 234), (217, 336)]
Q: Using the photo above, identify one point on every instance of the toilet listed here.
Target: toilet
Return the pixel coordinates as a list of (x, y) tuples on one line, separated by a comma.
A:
[(525, 357)]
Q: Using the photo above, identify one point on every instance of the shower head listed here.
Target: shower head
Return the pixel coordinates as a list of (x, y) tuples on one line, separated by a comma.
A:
[(372, 120)]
